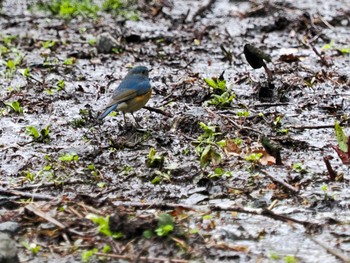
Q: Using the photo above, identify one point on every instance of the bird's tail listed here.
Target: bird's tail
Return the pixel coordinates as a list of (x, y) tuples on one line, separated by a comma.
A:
[(107, 111)]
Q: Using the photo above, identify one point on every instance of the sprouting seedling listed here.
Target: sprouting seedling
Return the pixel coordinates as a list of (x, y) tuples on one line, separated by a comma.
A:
[(256, 57)]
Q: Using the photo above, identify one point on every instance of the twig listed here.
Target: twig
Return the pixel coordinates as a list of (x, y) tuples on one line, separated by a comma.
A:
[(158, 111), (322, 58), (333, 251), (240, 126), (52, 220), (253, 211), (26, 195), (281, 182), (266, 105), (47, 217), (331, 173), (310, 127), (37, 186), (202, 9), (146, 259)]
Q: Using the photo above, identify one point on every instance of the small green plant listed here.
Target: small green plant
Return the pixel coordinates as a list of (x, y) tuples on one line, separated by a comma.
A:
[(60, 85), (88, 254), (222, 96), (48, 44), (32, 247), (207, 147), (15, 106), (93, 170), (42, 136), (223, 100), (161, 176), (103, 225), (148, 234), (219, 172), (298, 167), (154, 160), (254, 157), (166, 225), (119, 7), (69, 157), (341, 138), (11, 65), (7, 39), (69, 61), (92, 41), (217, 84), (30, 176), (26, 73), (68, 9), (243, 114), (290, 259), (274, 255), (331, 46)]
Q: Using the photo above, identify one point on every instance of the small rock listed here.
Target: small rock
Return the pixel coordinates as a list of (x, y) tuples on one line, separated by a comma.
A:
[(9, 227), (8, 249), (106, 42), (195, 199)]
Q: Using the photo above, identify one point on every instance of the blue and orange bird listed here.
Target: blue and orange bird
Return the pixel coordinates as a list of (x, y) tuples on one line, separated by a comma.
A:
[(132, 93)]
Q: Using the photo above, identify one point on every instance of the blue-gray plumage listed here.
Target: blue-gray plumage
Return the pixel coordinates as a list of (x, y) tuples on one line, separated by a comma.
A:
[(132, 93)]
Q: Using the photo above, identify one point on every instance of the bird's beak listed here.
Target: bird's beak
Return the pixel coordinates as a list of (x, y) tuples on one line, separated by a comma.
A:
[(150, 70)]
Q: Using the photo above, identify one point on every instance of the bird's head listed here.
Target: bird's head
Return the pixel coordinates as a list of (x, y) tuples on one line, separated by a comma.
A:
[(139, 70)]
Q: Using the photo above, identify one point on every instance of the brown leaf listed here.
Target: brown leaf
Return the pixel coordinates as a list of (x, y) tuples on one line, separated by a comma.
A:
[(344, 157)]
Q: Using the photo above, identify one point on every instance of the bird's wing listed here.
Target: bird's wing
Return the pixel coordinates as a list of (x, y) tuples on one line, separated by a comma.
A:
[(128, 90)]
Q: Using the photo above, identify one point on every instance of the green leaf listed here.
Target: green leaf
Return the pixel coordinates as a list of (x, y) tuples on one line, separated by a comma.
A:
[(148, 234), (165, 219), (11, 64), (86, 255), (106, 249), (166, 225), (290, 259), (210, 82), (154, 160), (26, 73), (32, 131), (254, 157), (210, 155), (103, 225), (15, 106), (164, 230), (68, 157), (341, 137)]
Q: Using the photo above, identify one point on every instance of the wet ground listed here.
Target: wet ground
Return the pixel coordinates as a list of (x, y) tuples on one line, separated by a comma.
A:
[(58, 165)]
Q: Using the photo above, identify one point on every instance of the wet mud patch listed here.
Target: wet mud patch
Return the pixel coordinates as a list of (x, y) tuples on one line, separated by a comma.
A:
[(236, 158)]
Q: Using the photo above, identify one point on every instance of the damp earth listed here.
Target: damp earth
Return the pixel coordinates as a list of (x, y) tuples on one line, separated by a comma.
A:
[(226, 163)]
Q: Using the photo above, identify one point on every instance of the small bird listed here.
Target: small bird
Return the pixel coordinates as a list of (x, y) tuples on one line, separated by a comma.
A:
[(132, 93)]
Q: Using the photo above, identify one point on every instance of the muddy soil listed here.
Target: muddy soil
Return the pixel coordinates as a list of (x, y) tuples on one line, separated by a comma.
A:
[(196, 161)]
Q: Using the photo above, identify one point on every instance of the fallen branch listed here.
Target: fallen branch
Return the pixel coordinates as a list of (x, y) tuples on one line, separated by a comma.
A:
[(33, 196), (52, 220), (333, 251), (310, 127), (158, 111), (241, 127), (281, 182), (202, 9), (137, 259), (47, 185), (252, 211), (266, 105)]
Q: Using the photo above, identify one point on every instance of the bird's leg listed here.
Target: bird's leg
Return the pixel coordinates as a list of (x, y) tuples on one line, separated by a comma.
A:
[(124, 118), (140, 128)]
